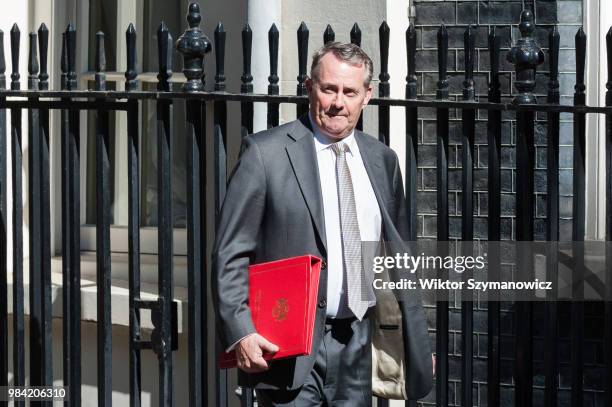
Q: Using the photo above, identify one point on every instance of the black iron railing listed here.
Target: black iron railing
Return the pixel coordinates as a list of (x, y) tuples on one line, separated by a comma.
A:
[(193, 44)]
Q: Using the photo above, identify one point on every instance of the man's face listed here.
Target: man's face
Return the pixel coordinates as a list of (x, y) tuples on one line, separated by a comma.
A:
[(337, 96)]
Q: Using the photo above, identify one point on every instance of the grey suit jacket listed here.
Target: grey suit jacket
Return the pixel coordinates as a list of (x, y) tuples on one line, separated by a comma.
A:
[(272, 210)]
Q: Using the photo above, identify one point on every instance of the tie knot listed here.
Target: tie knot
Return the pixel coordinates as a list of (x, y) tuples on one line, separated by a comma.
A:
[(339, 148)]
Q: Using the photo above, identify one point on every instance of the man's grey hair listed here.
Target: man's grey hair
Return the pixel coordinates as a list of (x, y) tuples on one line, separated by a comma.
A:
[(349, 53)]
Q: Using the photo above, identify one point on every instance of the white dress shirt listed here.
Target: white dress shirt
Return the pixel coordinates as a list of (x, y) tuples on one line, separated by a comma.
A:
[(368, 214)]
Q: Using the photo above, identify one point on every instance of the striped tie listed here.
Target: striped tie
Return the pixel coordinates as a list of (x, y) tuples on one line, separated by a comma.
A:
[(351, 239)]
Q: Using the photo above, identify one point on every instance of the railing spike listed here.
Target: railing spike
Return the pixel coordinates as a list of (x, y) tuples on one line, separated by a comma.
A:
[(442, 92), (494, 50), (64, 55), (15, 36), (164, 53), (100, 77), (608, 230), (383, 34), (468, 47), (609, 52), (356, 35), (302, 42), (247, 42), (130, 73), (2, 60), (63, 63), (100, 53), (43, 46), (329, 35), (494, 84), (220, 57), (33, 62), (273, 49), (580, 41), (411, 79), (553, 57), (71, 83), (33, 55)]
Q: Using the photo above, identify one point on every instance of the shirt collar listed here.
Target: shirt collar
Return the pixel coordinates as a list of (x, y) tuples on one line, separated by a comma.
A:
[(323, 142)]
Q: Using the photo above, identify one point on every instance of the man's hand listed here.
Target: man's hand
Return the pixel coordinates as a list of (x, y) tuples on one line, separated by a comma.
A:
[(249, 353)]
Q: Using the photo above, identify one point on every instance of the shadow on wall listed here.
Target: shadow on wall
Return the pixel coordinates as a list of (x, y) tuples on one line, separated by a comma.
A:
[(120, 365)]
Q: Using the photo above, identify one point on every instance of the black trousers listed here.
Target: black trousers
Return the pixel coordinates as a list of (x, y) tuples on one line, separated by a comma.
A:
[(342, 373)]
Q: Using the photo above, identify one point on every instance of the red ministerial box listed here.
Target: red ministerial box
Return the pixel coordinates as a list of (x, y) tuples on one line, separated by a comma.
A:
[(283, 301)]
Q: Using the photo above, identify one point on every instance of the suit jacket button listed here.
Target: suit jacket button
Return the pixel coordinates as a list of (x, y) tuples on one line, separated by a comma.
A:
[(323, 265), (322, 303)]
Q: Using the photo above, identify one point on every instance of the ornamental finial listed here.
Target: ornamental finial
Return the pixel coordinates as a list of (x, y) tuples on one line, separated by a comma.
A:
[(526, 56), (193, 44)]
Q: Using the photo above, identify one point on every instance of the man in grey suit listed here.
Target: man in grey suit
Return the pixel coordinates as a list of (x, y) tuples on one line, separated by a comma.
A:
[(318, 186)]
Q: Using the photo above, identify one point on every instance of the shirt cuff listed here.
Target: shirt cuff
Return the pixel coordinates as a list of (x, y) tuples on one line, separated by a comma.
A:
[(233, 345)]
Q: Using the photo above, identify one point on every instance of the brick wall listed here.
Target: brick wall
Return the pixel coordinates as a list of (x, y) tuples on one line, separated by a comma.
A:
[(504, 15)]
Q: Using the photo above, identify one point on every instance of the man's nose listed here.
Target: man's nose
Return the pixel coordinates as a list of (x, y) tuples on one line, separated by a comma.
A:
[(338, 101)]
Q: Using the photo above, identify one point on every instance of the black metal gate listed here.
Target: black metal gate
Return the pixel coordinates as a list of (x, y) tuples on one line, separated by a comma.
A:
[(193, 44)]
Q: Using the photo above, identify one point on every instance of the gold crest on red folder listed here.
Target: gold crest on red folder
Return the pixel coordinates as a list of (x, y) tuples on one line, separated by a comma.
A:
[(281, 309)]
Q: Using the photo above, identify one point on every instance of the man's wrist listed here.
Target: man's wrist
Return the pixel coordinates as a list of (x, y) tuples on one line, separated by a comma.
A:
[(233, 345)]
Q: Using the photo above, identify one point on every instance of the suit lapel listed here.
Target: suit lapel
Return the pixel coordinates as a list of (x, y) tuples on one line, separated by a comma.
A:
[(372, 160), (303, 160)]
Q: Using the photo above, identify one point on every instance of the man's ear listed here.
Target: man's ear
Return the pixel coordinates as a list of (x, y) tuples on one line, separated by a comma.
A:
[(368, 95), (308, 83)]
